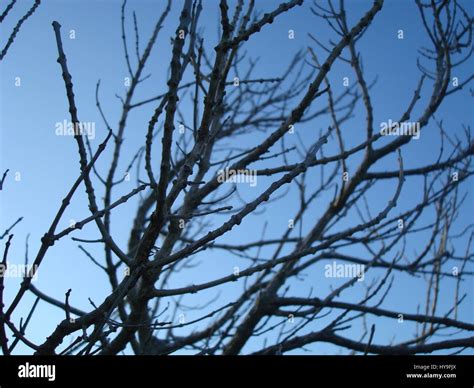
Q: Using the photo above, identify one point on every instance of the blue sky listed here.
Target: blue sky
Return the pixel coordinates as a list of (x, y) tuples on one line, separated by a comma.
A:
[(48, 164)]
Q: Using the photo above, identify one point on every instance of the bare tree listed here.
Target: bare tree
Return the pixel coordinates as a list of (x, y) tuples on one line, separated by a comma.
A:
[(17, 27), (189, 203)]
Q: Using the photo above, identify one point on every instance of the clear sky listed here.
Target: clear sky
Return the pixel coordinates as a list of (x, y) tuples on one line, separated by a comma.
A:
[(47, 164)]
